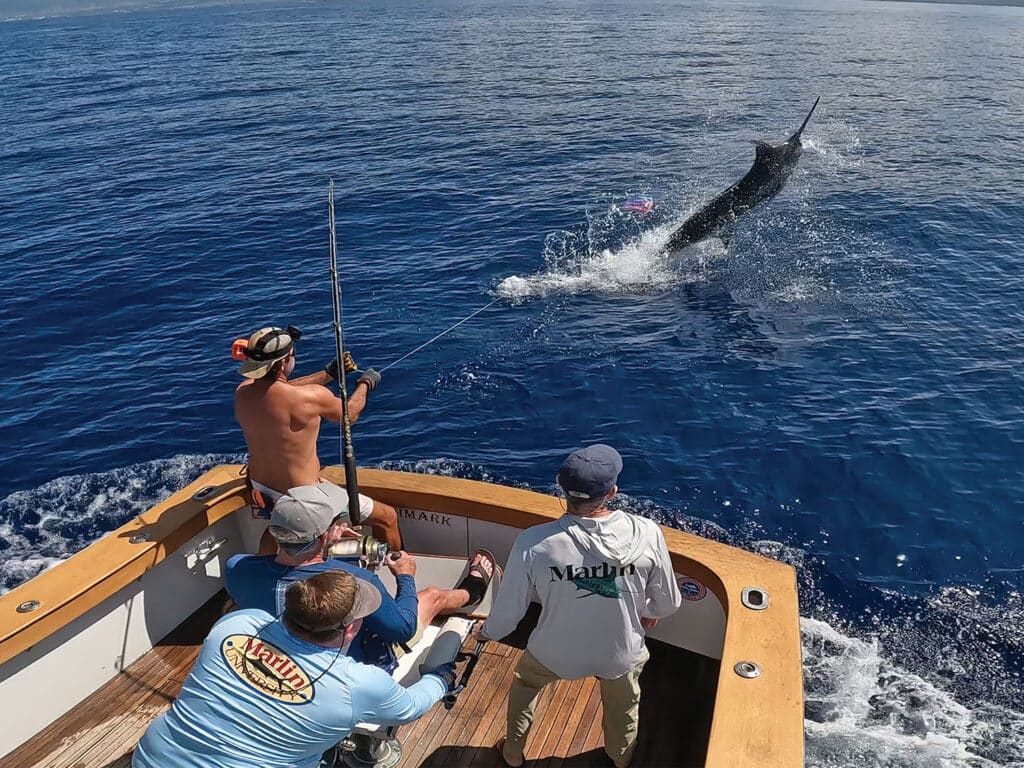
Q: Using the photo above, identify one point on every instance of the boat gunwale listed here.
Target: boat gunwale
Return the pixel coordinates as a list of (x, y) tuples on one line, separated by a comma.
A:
[(756, 722)]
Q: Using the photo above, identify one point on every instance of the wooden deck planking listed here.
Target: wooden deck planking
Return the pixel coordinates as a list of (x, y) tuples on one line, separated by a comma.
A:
[(675, 713), (102, 731), (567, 726)]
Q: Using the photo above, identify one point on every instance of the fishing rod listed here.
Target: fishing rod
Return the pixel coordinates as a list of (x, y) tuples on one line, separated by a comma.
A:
[(348, 455)]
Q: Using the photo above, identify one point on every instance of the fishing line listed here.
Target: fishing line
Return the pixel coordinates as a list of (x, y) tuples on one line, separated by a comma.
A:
[(442, 333)]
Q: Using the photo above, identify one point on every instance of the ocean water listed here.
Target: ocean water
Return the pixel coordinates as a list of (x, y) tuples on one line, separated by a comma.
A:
[(840, 388)]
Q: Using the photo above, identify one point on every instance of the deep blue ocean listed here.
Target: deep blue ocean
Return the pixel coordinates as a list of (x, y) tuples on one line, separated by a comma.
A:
[(841, 388)]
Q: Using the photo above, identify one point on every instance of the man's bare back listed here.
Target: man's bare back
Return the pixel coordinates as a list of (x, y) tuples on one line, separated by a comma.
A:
[(281, 420)]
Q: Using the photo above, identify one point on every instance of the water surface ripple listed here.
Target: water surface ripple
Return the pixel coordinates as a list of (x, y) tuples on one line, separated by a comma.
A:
[(842, 388)]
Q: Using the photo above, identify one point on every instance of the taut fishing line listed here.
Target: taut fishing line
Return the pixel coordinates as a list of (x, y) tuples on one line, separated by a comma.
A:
[(442, 333)]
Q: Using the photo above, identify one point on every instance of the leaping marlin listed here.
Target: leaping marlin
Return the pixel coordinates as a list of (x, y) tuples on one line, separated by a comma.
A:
[(765, 179)]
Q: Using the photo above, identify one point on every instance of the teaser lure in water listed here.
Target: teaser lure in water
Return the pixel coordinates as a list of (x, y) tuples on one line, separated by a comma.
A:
[(641, 206)]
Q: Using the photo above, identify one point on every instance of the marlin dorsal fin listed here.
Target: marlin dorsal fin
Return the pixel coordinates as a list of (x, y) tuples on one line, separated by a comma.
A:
[(762, 148)]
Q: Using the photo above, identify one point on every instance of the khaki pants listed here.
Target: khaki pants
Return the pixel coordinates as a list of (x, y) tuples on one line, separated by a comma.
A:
[(620, 699)]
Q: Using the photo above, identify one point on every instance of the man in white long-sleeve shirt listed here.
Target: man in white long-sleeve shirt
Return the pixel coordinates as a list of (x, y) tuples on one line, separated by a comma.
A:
[(603, 577)]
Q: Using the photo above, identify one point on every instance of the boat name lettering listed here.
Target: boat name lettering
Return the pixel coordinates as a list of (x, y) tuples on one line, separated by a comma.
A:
[(427, 517)]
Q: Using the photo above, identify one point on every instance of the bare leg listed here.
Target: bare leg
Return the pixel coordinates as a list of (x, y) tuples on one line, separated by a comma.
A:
[(435, 602), (384, 522)]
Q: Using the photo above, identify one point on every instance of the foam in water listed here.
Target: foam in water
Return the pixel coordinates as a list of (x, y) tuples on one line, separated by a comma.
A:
[(634, 268), (44, 526), (863, 710)]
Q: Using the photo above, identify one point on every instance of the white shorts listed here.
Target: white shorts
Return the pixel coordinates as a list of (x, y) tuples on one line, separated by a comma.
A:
[(365, 502)]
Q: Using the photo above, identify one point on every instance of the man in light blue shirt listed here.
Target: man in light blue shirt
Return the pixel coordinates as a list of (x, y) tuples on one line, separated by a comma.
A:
[(280, 692)]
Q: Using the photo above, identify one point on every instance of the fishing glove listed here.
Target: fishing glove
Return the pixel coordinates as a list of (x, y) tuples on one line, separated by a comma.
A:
[(371, 377), (446, 672), (350, 365)]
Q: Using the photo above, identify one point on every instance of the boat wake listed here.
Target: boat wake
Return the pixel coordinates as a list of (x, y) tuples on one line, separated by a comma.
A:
[(863, 709), (44, 526), (929, 682)]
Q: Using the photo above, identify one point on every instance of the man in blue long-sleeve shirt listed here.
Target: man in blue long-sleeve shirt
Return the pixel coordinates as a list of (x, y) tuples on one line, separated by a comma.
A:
[(280, 692), (307, 522)]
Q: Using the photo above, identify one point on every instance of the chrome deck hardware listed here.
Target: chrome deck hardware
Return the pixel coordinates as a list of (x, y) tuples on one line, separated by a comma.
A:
[(754, 598), (363, 751), (203, 553), (747, 669), (205, 492)]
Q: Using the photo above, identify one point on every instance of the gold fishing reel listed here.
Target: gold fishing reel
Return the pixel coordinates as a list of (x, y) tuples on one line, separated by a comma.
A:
[(370, 552)]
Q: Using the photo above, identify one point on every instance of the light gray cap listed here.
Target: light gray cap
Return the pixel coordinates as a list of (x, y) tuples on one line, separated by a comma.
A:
[(306, 512)]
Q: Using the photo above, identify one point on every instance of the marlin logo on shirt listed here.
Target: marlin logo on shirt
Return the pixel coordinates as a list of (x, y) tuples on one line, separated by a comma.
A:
[(594, 580), (267, 669)]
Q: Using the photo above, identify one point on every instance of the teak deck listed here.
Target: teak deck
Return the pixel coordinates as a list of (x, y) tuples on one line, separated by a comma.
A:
[(675, 718)]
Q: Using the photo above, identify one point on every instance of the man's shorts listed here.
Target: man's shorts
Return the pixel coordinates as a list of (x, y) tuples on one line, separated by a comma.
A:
[(268, 496)]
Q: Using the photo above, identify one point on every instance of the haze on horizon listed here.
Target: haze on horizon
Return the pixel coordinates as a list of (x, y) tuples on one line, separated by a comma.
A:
[(26, 9), (15, 9)]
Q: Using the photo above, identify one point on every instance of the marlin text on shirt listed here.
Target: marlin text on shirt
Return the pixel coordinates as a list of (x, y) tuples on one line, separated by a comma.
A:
[(603, 571)]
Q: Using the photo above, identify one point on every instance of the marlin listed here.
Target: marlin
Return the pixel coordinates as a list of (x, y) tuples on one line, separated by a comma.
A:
[(772, 167)]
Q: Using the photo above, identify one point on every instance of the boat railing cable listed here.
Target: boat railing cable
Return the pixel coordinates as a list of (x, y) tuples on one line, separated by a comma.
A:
[(442, 333)]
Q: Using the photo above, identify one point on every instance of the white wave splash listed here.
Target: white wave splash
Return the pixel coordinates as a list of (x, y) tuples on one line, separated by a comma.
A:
[(44, 526), (636, 267), (863, 711)]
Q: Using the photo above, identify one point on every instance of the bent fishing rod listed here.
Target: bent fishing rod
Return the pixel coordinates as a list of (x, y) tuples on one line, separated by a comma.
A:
[(348, 455)]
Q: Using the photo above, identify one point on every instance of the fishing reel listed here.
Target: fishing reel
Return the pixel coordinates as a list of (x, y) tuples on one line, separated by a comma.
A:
[(366, 550)]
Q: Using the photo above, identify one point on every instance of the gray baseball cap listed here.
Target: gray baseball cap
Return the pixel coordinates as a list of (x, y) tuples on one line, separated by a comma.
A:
[(589, 473), (367, 601), (306, 512)]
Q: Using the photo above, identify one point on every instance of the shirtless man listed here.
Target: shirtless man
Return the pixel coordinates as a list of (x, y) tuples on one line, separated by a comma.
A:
[(281, 422)]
